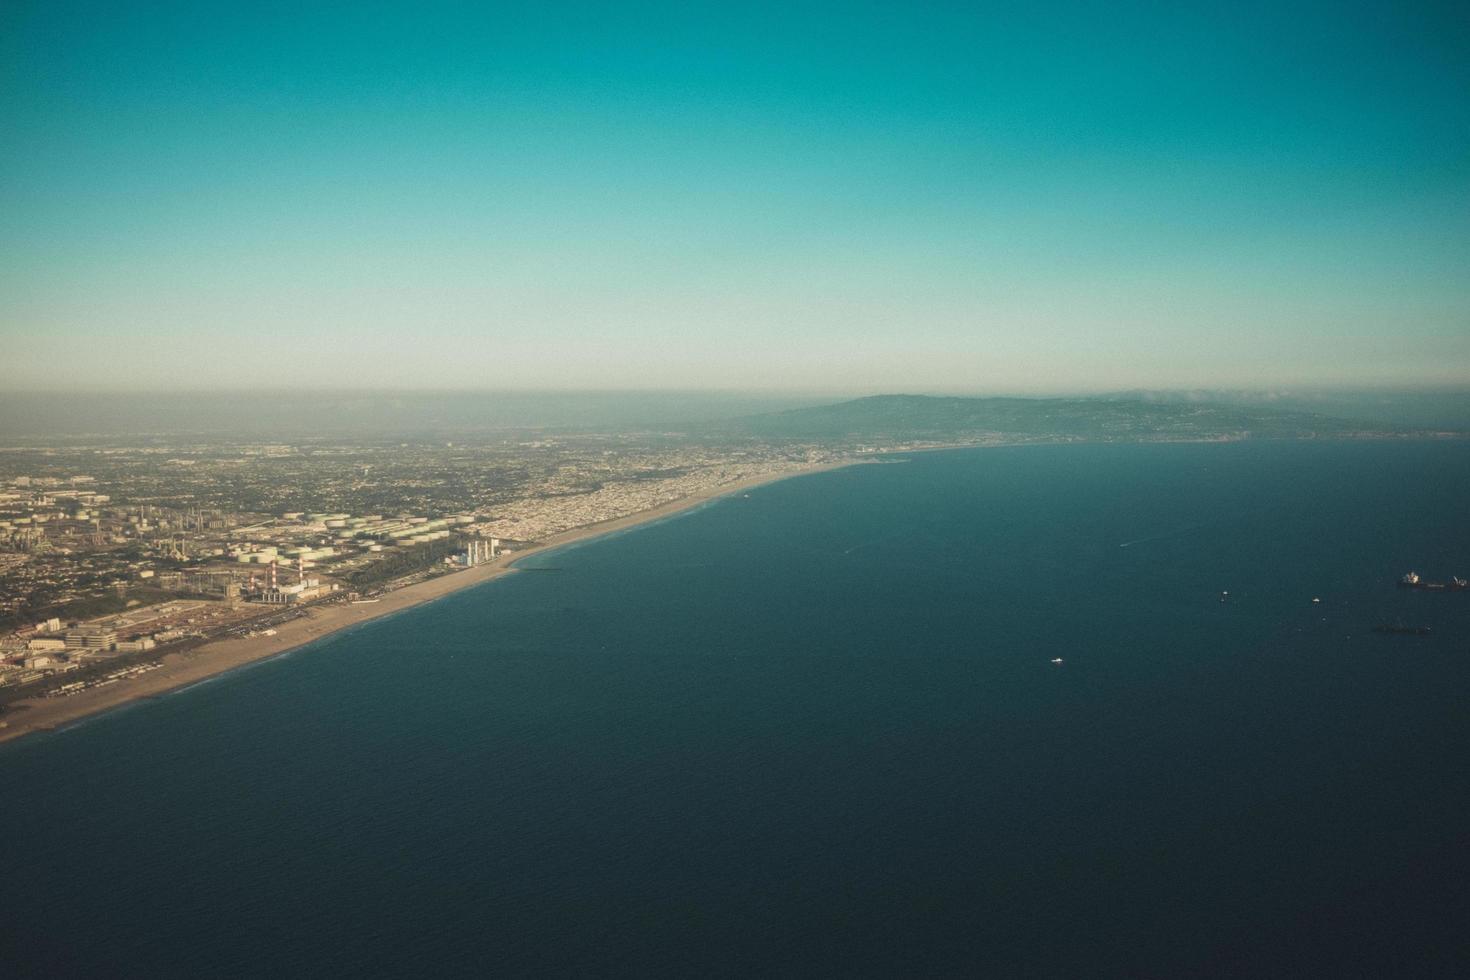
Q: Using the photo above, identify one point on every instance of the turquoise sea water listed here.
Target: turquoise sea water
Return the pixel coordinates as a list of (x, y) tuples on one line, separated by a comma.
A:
[(815, 730)]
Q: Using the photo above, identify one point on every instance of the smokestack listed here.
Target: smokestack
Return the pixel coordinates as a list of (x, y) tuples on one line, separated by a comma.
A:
[(273, 576)]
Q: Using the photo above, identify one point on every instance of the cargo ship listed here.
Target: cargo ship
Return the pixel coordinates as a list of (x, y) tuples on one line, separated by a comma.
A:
[(1413, 581)]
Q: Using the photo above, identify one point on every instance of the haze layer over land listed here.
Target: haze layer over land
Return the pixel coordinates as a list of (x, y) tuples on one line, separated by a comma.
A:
[(32, 418)]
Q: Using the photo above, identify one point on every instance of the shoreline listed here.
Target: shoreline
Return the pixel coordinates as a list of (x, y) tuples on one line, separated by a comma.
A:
[(214, 657)]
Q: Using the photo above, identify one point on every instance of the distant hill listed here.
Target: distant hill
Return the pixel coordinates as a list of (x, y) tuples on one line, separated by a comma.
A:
[(925, 418)]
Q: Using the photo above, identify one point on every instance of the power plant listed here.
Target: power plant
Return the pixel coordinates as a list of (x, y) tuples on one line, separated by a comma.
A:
[(478, 551)]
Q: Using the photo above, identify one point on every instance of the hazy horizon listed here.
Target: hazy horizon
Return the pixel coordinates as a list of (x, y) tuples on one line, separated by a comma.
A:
[(291, 414), (682, 196)]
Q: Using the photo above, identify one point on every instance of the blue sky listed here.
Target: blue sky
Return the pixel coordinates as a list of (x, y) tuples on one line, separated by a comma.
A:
[(855, 197)]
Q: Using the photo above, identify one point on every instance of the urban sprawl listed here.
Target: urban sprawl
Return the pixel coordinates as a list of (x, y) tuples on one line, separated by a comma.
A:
[(111, 555)]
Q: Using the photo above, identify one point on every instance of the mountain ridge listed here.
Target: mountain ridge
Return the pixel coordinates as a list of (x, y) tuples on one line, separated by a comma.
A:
[(957, 418)]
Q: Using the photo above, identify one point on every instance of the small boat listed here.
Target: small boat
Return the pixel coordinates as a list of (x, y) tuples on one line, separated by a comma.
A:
[(1057, 660)]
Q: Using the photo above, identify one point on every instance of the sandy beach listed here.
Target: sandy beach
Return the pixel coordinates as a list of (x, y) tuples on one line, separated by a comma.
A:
[(182, 668)]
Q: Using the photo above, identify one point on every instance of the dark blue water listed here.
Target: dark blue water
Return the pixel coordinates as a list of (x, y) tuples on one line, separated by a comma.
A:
[(816, 731)]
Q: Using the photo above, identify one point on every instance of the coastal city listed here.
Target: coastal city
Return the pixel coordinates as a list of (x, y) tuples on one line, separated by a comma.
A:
[(723, 489), (112, 556), (119, 553)]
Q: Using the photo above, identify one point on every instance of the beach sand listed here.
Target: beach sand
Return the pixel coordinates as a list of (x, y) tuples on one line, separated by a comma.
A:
[(186, 667)]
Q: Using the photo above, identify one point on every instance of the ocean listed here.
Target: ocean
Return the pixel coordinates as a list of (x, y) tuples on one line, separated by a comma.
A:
[(816, 730)]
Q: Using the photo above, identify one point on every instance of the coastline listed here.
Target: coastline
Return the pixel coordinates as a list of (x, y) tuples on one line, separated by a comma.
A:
[(187, 667)]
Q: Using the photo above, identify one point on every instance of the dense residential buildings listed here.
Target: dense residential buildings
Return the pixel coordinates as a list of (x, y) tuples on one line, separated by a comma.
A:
[(109, 551)]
